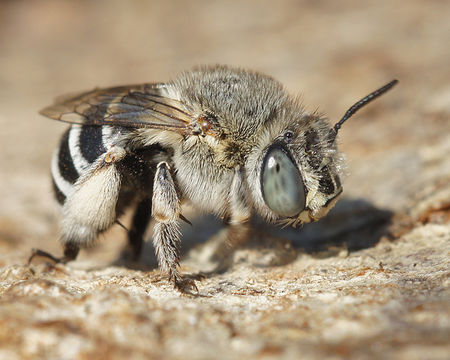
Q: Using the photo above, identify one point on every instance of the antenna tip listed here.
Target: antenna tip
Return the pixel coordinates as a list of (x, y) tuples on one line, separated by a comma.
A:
[(394, 82)]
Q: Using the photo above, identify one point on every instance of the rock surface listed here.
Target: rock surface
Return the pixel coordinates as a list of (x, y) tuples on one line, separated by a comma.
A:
[(369, 281)]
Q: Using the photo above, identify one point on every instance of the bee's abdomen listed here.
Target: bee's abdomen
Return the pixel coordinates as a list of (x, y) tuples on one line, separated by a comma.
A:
[(80, 146)]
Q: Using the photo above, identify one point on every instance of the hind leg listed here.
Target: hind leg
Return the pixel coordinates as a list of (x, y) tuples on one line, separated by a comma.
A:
[(90, 208), (140, 221)]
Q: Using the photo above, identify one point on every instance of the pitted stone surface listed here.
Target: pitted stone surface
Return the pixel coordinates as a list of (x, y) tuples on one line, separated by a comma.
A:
[(369, 281)]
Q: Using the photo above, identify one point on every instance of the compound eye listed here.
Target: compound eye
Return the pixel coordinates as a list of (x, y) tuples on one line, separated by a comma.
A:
[(282, 184)]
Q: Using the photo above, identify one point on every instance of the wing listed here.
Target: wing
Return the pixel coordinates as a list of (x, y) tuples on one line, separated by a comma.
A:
[(130, 106)]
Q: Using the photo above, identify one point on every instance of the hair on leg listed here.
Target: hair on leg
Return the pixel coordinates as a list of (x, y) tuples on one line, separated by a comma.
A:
[(166, 233), (90, 208)]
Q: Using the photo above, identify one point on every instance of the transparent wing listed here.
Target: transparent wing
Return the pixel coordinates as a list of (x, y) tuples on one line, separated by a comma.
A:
[(130, 106)]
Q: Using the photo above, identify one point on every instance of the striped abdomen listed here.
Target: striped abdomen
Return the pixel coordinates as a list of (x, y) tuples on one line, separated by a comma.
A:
[(80, 146)]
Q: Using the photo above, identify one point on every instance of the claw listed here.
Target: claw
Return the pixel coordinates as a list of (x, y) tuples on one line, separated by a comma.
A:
[(186, 286), (198, 276), (39, 252)]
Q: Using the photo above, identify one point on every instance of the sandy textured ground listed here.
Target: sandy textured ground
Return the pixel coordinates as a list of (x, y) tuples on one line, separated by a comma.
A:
[(369, 281)]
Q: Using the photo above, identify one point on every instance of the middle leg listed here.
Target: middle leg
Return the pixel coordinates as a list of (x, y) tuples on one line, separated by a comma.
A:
[(140, 221)]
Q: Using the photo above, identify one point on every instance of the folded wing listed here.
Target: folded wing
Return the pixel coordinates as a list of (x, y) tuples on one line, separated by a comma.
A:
[(138, 106)]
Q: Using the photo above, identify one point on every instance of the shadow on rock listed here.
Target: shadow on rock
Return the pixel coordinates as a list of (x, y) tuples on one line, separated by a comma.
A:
[(353, 224)]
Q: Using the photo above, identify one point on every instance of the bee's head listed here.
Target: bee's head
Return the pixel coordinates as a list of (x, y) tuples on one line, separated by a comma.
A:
[(300, 172), (300, 169)]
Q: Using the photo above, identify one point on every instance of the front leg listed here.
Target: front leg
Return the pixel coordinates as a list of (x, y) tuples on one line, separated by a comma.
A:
[(166, 209), (237, 231)]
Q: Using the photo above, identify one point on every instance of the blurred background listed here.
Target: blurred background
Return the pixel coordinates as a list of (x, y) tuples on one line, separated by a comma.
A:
[(368, 281), (330, 53)]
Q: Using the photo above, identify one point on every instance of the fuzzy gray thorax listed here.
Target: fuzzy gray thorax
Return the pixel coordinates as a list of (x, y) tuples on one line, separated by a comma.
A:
[(246, 113)]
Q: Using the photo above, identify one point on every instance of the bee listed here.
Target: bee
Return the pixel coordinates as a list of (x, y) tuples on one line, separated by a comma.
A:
[(232, 142)]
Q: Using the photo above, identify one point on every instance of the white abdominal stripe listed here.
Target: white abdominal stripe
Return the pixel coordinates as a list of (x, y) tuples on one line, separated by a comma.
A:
[(80, 147), (79, 161)]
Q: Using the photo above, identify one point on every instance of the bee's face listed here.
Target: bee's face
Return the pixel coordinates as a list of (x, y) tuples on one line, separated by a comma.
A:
[(288, 195), (298, 172)]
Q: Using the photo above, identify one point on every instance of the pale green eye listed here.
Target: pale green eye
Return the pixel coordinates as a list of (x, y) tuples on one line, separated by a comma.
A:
[(282, 184)]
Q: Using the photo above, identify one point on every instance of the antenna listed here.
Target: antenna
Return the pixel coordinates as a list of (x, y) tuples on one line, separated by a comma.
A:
[(358, 105)]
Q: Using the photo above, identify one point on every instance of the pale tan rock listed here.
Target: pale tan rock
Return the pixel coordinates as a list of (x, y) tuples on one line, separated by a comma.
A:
[(369, 281)]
